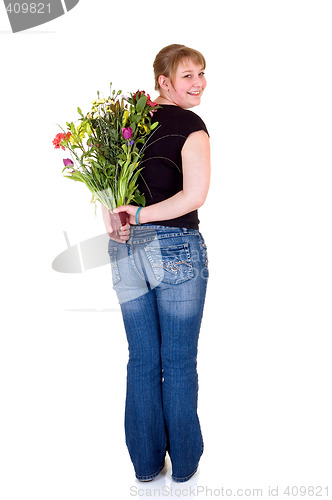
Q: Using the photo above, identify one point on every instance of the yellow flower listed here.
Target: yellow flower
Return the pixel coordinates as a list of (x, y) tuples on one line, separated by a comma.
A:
[(81, 130), (143, 128), (125, 117)]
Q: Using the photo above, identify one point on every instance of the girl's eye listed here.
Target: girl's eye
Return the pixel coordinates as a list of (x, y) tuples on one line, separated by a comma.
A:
[(189, 75)]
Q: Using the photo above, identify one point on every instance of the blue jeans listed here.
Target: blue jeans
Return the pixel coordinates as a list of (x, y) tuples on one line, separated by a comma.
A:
[(160, 277)]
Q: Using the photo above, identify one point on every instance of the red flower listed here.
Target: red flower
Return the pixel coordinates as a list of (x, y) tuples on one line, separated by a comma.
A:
[(151, 103), (140, 93), (59, 138)]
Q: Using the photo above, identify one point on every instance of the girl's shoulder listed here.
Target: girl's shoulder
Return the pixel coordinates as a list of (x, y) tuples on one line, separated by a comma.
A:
[(185, 118)]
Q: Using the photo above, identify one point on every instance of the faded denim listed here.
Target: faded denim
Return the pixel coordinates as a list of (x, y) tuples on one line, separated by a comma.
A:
[(160, 277)]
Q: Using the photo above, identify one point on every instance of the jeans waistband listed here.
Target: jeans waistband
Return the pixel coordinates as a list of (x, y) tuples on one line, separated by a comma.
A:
[(149, 232)]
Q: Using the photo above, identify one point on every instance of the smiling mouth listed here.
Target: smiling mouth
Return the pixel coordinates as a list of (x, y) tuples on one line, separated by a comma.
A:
[(195, 94)]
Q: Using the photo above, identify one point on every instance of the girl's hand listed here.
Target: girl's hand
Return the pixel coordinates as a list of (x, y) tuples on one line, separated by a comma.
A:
[(113, 227), (130, 210), (120, 235)]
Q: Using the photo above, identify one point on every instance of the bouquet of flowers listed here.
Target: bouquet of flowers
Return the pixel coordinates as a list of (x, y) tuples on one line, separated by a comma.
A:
[(107, 147)]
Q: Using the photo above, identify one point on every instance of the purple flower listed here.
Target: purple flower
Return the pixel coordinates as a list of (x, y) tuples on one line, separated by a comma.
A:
[(131, 143), (68, 163), (127, 132)]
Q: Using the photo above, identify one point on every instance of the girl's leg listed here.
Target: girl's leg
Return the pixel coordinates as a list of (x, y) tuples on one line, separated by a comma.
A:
[(180, 308), (144, 418)]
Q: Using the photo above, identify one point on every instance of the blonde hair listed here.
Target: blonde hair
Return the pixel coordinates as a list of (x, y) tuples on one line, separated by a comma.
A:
[(168, 59)]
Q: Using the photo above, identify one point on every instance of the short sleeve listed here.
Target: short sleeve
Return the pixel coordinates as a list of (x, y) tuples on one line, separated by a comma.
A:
[(192, 123)]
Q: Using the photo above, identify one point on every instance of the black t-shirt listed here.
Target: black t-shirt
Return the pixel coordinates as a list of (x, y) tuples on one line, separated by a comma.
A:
[(161, 176)]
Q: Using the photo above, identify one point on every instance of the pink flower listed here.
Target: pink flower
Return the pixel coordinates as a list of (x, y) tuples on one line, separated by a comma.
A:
[(127, 132), (68, 163)]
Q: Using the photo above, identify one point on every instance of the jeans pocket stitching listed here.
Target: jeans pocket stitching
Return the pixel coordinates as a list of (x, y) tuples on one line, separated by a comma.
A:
[(171, 271)]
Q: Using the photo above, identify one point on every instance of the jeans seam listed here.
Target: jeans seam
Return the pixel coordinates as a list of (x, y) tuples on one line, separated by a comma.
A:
[(179, 479), (150, 476), (137, 239), (131, 256), (114, 265)]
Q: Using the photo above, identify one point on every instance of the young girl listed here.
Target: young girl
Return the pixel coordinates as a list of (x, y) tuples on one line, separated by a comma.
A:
[(159, 271)]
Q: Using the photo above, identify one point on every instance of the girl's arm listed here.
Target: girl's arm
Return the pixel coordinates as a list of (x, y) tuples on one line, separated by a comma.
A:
[(196, 180)]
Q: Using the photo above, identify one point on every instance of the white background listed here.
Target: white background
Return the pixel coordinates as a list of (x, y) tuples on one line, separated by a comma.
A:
[(264, 353)]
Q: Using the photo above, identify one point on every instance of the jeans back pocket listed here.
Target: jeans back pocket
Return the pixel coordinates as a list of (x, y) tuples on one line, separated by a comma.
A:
[(170, 264)]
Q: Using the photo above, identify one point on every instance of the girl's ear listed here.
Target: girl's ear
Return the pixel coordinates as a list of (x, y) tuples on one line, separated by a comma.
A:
[(163, 82)]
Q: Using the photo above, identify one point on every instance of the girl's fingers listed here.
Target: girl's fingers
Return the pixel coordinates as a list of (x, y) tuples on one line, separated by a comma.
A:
[(124, 230)]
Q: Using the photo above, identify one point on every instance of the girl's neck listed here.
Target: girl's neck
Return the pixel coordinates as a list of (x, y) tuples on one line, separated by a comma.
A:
[(164, 100)]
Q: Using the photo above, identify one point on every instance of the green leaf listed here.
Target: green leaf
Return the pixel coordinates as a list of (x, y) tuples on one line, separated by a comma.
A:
[(136, 119), (74, 178), (141, 103), (101, 159), (139, 198), (88, 129)]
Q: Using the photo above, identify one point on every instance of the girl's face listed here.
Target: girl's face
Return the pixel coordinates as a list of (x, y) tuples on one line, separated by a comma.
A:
[(188, 85)]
